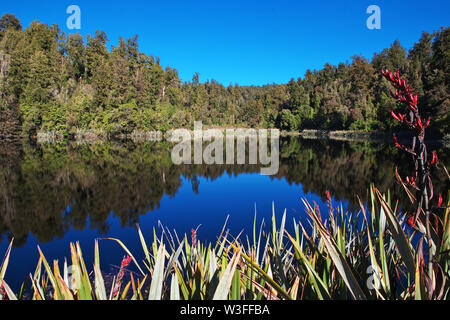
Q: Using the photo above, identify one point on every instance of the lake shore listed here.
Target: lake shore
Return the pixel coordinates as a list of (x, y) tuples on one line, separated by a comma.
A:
[(142, 136), (361, 136)]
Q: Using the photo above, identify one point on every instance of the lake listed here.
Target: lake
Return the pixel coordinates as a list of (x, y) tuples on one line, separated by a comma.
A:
[(54, 194)]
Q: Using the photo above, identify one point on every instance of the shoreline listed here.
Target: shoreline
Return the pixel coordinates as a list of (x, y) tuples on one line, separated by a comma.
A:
[(158, 136), (361, 136)]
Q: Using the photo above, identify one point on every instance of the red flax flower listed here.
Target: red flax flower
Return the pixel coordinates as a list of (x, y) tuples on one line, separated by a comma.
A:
[(411, 221), (2, 292), (125, 262), (397, 144), (422, 182), (411, 181), (317, 210), (328, 195), (329, 202), (403, 92), (440, 200), (194, 238), (399, 117), (435, 158), (419, 125)]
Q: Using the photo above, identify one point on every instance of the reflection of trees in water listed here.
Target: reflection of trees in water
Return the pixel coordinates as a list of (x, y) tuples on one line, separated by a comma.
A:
[(347, 169), (344, 169), (10, 155), (93, 180), (37, 184)]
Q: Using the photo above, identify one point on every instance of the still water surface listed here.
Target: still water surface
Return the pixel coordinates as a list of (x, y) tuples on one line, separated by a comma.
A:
[(54, 194)]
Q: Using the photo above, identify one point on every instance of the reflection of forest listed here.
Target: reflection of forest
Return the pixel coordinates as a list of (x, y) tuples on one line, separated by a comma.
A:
[(46, 189)]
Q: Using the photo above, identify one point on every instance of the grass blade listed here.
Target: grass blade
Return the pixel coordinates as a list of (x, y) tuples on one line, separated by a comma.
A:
[(5, 262), (338, 259), (225, 282), (398, 235), (9, 292), (174, 288), (128, 252), (158, 275)]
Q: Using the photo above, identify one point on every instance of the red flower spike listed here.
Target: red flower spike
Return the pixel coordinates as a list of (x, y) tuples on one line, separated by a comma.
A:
[(396, 117), (435, 158), (317, 210), (403, 92), (440, 200), (194, 238), (328, 195), (396, 141), (419, 122), (411, 181), (411, 221), (2, 291), (402, 117), (125, 262)]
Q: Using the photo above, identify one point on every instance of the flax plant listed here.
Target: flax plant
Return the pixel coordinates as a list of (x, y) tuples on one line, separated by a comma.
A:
[(367, 254)]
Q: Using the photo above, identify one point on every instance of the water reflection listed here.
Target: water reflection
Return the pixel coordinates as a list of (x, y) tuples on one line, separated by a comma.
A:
[(48, 189)]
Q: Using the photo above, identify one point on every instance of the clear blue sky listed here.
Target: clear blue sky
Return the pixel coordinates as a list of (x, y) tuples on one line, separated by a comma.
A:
[(246, 42)]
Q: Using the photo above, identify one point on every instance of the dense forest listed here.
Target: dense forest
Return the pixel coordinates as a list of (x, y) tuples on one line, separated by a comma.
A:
[(50, 81)]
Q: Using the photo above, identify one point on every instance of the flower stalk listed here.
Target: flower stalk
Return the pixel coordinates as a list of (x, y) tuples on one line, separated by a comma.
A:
[(412, 118)]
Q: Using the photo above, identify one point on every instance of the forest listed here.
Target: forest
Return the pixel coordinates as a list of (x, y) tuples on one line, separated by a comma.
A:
[(52, 81)]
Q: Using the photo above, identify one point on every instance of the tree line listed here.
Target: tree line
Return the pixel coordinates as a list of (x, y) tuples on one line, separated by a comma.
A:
[(50, 81)]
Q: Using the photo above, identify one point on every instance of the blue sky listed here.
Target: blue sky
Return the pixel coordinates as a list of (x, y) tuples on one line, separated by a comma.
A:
[(245, 42)]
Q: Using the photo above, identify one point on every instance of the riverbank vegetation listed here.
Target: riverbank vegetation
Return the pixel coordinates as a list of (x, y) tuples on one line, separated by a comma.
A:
[(51, 81)]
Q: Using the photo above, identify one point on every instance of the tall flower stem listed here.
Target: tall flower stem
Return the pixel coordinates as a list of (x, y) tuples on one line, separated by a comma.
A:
[(406, 96)]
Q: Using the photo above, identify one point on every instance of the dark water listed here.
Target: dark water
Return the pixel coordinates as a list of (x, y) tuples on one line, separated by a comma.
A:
[(54, 194)]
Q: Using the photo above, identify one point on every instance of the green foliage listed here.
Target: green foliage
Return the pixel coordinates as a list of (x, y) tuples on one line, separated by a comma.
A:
[(9, 21), (123, 89), (365, 255)]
